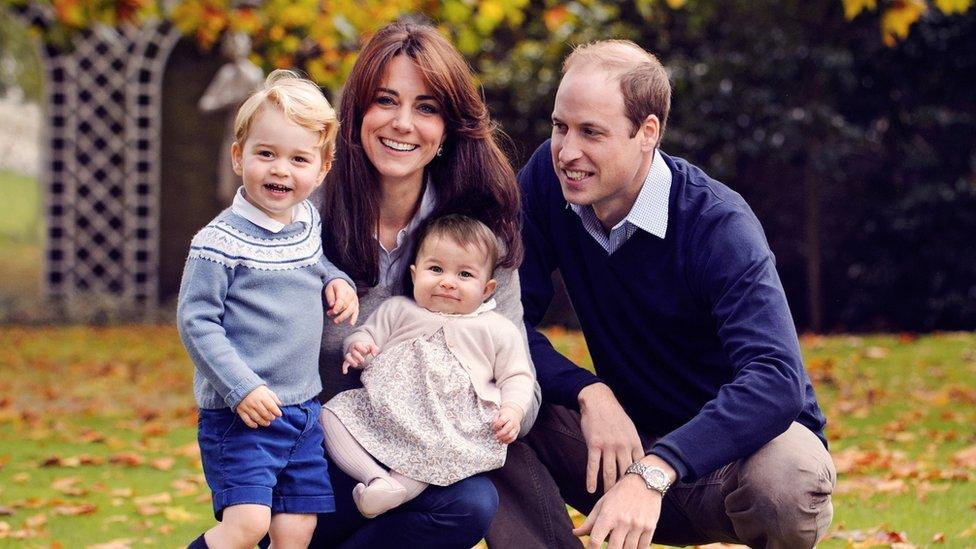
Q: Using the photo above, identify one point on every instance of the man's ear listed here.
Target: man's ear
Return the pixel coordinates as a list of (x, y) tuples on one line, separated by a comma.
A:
[(489, 289), (650, 133), (237, 158)]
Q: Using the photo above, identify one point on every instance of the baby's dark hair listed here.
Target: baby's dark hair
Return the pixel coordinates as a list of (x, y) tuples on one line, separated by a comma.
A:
[(465, 231)]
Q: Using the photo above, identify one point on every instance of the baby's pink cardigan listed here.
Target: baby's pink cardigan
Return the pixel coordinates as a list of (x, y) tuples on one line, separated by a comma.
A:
[(486, 344)]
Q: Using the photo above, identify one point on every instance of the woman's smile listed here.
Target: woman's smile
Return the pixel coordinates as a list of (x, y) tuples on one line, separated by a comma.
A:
[(402, 129)]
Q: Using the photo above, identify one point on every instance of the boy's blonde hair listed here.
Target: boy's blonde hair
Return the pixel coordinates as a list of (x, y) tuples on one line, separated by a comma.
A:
[(465, 231), (300, 100)]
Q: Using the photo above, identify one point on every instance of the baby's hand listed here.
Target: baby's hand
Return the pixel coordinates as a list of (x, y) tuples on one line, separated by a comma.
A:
[(343, 302), (358, 352), (507, 423), (260, 407)]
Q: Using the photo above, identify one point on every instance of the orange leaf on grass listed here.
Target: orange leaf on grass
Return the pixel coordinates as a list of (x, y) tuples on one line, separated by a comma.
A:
[(90, 437), (178, 514), (154, 499), (966, 457), (69, 486), (163, 464), (75, 510), (114, 544), (155, 429), (148, 510), (127, 459), (36, 521)]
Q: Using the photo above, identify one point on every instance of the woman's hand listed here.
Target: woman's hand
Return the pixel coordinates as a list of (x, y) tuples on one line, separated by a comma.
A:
[(260, 407), (357, 355), (507, 423), (342, 301)]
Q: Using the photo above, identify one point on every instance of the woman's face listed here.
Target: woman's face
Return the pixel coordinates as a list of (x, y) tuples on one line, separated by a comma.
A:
[(403, 126)]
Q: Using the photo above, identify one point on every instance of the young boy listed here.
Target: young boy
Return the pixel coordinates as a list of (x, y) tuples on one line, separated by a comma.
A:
[(250, 315)]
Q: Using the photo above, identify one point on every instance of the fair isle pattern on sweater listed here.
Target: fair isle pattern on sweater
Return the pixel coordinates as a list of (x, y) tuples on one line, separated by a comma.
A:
[(222, 243)]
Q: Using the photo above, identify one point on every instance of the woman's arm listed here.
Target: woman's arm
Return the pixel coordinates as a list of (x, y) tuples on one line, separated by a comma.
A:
[(509, 300)]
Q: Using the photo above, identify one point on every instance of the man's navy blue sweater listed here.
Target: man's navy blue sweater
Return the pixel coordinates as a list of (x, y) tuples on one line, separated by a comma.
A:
[(692, 332)]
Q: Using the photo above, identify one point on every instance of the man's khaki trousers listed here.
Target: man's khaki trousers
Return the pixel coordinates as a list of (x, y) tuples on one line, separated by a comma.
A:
[(778, 498)]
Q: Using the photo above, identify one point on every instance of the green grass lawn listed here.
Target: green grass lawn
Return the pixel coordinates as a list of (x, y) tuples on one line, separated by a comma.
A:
[(98, 430)]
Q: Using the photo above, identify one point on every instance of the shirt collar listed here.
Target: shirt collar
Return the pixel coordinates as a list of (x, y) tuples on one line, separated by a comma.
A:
[(250, 212), (489, 305), (650, 210)]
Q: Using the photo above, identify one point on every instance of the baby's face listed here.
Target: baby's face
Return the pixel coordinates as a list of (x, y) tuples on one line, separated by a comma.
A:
[(279, 162), (450, 278)]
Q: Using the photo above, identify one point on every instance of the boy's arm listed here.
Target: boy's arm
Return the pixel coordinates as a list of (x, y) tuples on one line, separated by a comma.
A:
[(332, 272), (199, 321)]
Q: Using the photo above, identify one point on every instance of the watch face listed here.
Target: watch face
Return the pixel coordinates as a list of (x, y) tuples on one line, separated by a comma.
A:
[(657, 477)]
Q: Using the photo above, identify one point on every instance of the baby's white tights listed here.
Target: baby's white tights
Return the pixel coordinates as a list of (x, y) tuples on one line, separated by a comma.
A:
[(379, 490)]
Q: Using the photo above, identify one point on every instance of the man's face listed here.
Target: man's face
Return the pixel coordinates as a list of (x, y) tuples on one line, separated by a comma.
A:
[(597, 157)]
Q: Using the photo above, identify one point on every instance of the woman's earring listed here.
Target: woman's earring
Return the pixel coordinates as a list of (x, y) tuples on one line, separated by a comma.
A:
[(440, 150)]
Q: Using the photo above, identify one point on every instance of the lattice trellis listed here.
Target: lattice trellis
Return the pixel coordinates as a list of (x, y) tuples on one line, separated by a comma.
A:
[(102, 168)]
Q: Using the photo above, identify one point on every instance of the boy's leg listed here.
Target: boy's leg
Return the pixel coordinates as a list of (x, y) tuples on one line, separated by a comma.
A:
[(303, 485), (242, 526), (240, 470), (291, 530)]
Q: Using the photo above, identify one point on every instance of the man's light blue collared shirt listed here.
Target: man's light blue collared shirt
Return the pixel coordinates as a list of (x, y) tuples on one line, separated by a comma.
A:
[(649, 212)]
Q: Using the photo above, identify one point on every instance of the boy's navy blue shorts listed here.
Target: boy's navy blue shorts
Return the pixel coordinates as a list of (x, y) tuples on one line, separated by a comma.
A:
[(281, 466)]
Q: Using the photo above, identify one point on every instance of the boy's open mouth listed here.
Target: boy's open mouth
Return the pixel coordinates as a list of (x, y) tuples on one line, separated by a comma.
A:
[(275, 188)]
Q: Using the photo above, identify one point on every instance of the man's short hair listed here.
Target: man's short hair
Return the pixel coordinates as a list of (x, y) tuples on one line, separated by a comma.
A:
[(300, 100), (644, 82), (465, 231)]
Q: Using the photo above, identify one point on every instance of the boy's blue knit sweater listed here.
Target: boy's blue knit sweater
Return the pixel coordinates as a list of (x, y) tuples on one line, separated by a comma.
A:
[(692, 332), (250, 309)]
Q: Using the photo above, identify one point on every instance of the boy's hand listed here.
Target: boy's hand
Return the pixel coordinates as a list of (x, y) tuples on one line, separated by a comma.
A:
[(507, 423), (358, 352), (260, 407), (343, 302)]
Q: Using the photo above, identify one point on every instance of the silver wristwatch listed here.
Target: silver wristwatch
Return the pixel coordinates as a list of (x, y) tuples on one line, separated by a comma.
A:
[(654, 477)]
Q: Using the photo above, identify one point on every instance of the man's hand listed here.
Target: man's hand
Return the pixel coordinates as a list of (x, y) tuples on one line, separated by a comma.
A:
[(627, 513), (507, 423), (260, 407), (611, 438), (343, 302), (357, 355)]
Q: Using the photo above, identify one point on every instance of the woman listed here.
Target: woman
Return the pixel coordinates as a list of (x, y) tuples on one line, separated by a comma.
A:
[(415, 143)]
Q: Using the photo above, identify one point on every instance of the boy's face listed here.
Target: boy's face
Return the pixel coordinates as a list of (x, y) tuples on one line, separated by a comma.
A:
[(450, 278), (279, 163)]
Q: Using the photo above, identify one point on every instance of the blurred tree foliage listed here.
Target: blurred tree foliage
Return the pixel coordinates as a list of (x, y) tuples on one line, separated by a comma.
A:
[(847, 124), (858, 157), (19, 63)]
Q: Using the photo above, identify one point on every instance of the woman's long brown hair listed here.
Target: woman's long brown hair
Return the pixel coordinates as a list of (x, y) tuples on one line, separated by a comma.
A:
[(472, 177)]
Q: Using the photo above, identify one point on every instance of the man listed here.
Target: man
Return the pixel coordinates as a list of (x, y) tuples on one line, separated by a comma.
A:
[(702, 425)]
